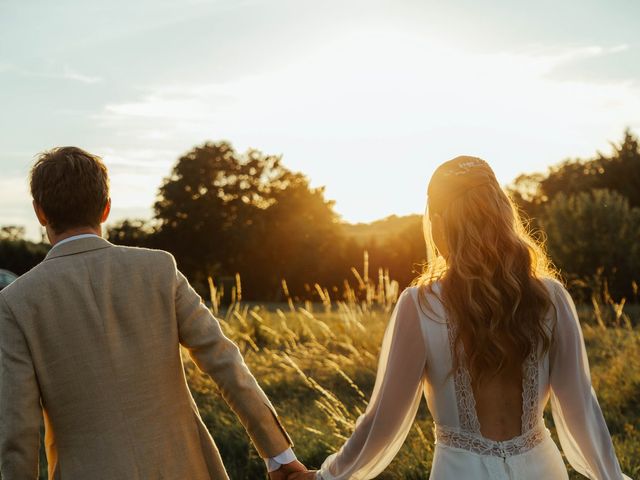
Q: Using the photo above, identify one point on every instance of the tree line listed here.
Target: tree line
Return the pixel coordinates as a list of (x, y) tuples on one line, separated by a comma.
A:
[(225, 214), (588, 214)]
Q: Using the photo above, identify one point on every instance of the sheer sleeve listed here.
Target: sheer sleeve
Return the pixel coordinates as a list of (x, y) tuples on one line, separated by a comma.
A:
[(383, 428), (581, 427)]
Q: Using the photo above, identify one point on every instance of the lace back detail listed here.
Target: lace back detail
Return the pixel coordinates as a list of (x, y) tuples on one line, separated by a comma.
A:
[(469, 436), (530, 392), (463, 388)]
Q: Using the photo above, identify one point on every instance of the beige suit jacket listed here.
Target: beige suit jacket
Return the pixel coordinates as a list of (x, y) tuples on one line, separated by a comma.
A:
[(90, 337)]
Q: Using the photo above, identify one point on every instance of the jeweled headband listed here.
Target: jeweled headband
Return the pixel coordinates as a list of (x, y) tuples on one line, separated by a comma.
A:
[(455, 178)]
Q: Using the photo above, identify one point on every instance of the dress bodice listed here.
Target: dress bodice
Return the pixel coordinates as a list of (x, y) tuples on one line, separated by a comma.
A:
[(416, 360), (450, 394)]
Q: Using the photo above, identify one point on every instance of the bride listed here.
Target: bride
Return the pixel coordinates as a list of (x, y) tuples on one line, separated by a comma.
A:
[(489, 335)]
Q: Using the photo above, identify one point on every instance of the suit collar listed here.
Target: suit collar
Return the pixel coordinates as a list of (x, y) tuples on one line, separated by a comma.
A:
[(79, 245)]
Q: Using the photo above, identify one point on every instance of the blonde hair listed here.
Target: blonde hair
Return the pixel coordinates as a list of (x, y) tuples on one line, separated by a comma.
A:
[(491, 281)]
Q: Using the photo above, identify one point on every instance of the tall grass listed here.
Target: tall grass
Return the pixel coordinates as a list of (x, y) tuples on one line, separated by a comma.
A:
[(317, 362)]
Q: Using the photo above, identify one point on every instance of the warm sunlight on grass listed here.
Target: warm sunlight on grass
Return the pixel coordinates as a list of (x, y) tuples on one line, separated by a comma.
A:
[(317, 363)]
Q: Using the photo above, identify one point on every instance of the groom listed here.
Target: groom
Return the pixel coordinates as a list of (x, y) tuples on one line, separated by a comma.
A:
[(90, 339)]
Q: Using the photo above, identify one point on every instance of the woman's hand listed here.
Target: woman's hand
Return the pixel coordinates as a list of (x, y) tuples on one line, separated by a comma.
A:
[(310, 475)]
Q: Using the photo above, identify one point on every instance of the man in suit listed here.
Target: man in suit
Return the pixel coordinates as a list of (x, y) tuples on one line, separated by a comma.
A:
[(90, 338)]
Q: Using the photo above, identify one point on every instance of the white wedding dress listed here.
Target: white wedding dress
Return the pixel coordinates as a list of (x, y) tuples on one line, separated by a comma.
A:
[(416, 357)]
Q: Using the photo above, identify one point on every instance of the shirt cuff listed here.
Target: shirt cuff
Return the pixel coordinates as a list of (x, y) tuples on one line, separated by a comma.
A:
[(274, 463)]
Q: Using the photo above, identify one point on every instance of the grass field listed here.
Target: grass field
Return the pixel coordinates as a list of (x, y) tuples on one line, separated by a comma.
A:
[(317, 363)]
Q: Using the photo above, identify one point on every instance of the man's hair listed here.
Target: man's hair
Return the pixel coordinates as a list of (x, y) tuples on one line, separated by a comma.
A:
[(71, 186)]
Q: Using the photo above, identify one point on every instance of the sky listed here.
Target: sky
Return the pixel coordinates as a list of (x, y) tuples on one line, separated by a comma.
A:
[(367, 98)]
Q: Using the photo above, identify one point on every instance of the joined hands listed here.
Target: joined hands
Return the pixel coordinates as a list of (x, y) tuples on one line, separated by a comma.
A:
[(292, 471)]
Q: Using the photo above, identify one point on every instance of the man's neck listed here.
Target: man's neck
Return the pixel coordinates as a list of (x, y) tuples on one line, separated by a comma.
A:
[(58, 237)]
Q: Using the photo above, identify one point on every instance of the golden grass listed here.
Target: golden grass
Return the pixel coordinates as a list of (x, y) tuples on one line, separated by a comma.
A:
[(317, 363)]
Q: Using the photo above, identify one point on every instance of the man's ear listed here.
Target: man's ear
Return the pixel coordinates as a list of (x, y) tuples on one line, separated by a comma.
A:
[(107, 210), (42, 218)]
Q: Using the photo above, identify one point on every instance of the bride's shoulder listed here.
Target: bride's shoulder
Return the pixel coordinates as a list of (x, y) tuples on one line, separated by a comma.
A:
[(561, 302), (558, 292), (426, 298), (549, 281), (423, 290), (408, 295), (553, 285)]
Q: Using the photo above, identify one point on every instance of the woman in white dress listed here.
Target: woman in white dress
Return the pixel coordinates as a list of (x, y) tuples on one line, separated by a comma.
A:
[(488, 335)]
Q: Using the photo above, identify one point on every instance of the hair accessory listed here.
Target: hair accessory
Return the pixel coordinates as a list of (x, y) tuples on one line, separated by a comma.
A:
[(456, 177)]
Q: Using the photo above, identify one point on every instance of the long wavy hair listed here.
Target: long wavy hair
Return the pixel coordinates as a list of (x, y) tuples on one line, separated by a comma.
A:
[(491, 283)]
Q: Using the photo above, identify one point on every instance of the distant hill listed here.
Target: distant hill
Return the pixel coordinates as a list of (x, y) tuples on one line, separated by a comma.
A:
[(382, 230)]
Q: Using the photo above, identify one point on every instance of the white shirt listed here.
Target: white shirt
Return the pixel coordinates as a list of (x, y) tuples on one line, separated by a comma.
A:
[(75, 237), (273, 463)]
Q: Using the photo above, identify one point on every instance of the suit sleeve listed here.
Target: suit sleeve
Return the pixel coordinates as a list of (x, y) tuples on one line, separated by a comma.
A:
[(20, 411), (216, 355)]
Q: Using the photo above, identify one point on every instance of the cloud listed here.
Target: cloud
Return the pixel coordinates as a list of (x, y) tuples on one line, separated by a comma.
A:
[(382, 84), (70, 74), (172, 102), (145, 160), (14, 188), (374, 102), (592, 51), (67, 73), (614, 65), (136, 174)]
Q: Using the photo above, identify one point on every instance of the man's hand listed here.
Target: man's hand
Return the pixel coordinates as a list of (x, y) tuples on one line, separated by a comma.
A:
[(286, 470), (308, 475)]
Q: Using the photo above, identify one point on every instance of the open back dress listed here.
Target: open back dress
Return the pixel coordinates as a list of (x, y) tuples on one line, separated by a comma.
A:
[(416, 359)]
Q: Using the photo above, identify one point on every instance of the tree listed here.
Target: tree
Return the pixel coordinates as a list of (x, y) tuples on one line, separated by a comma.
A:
[(619, 172), (203, 206), (221, 213), (12, 233), (17, 254), (394, 243), (588, 231), (298, 239), (134, 233)]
